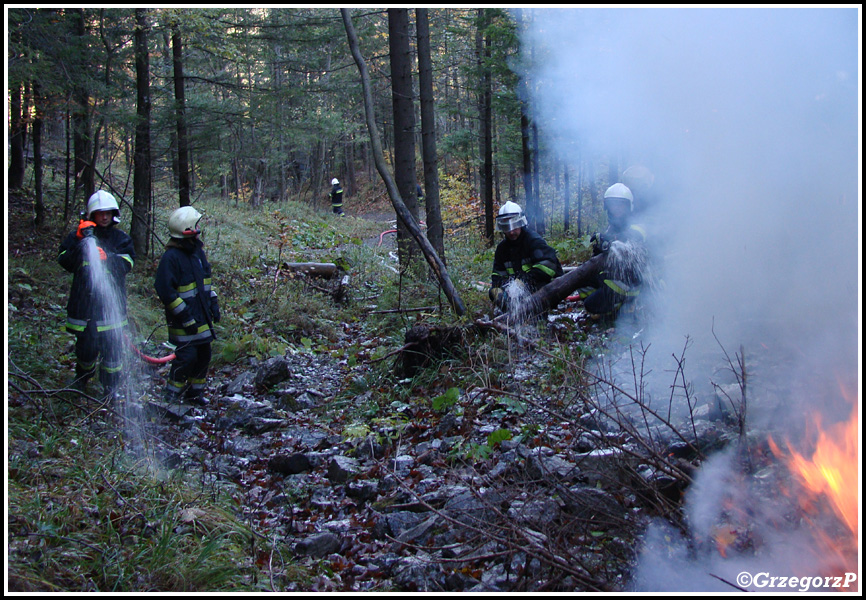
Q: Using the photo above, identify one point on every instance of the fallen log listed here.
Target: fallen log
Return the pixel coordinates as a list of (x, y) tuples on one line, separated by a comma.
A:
[(424, 344), (556, 291), (311, 268)]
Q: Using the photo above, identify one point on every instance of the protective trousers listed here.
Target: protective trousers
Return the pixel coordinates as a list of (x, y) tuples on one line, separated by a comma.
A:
[(190, 366), (90, 346)]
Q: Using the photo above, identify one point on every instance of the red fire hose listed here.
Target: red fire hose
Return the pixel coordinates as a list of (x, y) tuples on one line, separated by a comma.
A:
[(381, 235), (150, 359)]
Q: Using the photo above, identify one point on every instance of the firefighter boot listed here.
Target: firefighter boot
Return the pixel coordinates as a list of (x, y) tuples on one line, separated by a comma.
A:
[(82, 376), (195, 392)]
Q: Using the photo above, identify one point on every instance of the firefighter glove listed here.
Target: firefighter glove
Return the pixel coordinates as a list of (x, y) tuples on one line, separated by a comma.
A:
[(499, 298), (600, 243), (85, 229), (215, 311)]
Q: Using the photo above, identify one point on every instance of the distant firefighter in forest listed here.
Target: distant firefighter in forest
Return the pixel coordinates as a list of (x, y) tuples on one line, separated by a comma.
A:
[(336, 197), (183, 284), (523, 261), (99, 255)]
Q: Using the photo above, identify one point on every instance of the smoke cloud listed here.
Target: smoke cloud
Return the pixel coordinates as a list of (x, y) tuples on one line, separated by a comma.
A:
[(749, 119)]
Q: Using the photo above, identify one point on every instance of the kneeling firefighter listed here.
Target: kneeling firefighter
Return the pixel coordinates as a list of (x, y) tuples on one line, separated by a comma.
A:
[(618, 283), (522, 255)]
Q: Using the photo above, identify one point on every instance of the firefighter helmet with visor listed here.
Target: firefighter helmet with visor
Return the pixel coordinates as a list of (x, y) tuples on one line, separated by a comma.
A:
[(619, 191), (510, 217)]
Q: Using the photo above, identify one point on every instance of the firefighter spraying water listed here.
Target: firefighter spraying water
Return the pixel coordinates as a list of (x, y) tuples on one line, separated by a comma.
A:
[(99, 255)]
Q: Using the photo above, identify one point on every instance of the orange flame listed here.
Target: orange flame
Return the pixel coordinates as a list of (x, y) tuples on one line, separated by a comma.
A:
[(832, 470), (831, 474)]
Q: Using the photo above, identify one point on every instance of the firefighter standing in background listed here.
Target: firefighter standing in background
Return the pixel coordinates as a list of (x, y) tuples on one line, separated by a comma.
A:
[(183, 284), (96, 311), (336, 196), (523, 256), (606, 291)]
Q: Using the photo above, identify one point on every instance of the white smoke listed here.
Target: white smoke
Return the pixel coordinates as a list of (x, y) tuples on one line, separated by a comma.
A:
[(749, 119)]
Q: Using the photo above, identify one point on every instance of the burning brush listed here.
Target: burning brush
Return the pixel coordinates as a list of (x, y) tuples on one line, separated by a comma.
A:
[(827, 488)]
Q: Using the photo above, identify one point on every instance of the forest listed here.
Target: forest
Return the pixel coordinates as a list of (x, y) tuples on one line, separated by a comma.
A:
[(371, 422)]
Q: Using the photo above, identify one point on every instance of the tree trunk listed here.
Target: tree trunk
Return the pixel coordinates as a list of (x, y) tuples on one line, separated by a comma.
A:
[(579, 196), (528, 207), (556, 291), (404, 126), (435, 229), (16, 140), (39, 217), (83, 141), (172, 134), (566, 199), (485, 122), (537, 214), (141, 198), (592, 183), (378, 156), (180, 102), (67, 198)]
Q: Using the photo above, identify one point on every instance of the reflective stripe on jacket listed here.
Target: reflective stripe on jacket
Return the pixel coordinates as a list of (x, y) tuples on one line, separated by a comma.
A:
[(527, 257)]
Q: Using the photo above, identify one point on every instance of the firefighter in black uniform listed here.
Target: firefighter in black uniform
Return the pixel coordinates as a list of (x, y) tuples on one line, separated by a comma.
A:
[(336, 196), (183, 284), (624, 243), (99, 256), (522, 256)]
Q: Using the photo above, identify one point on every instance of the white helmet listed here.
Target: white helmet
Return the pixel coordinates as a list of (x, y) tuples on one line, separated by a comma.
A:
[(335, 181), (620, 191), (102, 200), (510, 217), (183, 223)]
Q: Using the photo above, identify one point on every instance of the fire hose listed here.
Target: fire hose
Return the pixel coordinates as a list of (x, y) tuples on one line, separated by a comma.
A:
[(384, 233), (151, 359), (381, 235)]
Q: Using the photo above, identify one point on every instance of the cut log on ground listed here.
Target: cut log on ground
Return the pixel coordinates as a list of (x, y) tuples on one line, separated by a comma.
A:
[(556, 291), (312, 269), (424, 344)]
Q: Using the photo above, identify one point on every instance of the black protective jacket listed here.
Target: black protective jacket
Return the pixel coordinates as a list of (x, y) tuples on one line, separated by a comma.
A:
[(528, 258), (183, 284), (107, 307), (336, 196)]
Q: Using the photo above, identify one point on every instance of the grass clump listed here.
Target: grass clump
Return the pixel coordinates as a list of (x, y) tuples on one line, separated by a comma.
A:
[(84, 516)]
